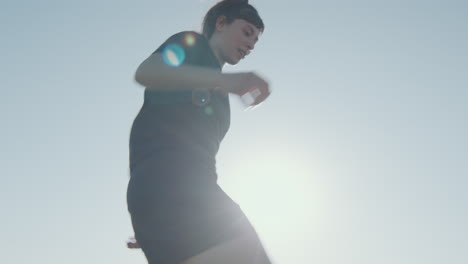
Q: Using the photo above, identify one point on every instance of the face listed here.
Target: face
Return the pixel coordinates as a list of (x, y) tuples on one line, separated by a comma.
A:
[(235, 41)]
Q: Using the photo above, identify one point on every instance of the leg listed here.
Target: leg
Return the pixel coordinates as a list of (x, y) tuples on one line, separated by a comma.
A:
[(246, 249)]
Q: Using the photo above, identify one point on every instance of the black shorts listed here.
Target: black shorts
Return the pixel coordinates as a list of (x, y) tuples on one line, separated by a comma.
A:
[(174, 221)]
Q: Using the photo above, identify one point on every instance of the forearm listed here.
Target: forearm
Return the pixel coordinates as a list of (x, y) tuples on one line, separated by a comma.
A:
[(156, 75)]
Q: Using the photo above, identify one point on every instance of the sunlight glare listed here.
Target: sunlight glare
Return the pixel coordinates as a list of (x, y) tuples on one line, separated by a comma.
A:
[(281, 194)]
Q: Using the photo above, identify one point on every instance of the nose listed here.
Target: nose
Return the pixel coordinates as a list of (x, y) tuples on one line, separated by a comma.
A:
[(249, 47)]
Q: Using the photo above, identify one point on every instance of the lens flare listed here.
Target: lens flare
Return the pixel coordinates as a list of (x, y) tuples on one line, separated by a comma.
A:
[(173, 55), (201, 97), (190, 39), (209, 110)]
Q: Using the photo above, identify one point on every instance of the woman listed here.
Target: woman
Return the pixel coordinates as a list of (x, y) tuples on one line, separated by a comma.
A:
[(179, 213)]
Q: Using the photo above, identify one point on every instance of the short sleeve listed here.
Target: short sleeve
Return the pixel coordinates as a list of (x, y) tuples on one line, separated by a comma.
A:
[(186, 47)]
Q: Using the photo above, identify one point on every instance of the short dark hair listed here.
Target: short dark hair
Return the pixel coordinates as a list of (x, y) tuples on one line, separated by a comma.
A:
[(231, 9)]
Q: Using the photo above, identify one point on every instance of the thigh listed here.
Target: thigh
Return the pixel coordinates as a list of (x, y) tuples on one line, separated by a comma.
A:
[(245, 249)]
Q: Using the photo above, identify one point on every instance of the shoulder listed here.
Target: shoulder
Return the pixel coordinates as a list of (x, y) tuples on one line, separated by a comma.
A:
[(188, 47), (188, 40)]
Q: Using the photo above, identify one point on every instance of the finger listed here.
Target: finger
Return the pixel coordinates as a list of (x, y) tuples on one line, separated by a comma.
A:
[(259, 100), (262, 97)]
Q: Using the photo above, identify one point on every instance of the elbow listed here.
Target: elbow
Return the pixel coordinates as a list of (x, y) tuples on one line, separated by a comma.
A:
[(150, 73), (139, 77), (148, 77)]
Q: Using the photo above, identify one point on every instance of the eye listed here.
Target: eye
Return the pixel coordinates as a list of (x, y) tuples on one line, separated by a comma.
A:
[(246, 33)]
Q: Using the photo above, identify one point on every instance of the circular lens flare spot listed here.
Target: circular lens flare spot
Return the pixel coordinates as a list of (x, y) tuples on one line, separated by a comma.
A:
[(190, 39), (201, 97), (209, 110), (173, 55)]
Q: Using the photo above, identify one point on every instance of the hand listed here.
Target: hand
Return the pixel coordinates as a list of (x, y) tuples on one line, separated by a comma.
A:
[(244, 83)]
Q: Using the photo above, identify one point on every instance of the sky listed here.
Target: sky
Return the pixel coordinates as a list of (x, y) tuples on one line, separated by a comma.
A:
[(358, 156)]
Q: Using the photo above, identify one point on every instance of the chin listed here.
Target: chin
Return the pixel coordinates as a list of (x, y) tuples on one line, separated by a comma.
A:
[(233, 61)]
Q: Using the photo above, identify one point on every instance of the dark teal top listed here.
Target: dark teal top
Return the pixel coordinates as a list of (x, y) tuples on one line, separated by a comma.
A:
[(180, 132)]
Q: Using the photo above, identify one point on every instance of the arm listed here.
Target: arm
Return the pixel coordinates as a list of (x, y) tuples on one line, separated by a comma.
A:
[(154, 73)]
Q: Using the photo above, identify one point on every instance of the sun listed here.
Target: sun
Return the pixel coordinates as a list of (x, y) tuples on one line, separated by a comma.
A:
[(276, 190)]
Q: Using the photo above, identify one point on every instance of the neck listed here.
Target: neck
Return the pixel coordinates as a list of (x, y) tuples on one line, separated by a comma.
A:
[(214, 44)]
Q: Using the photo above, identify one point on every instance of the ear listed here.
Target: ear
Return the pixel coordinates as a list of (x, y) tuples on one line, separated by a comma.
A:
[(220, 23)]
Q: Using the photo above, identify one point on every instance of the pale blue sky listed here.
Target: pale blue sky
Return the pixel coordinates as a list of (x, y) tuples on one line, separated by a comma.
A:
[(359, 156)]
